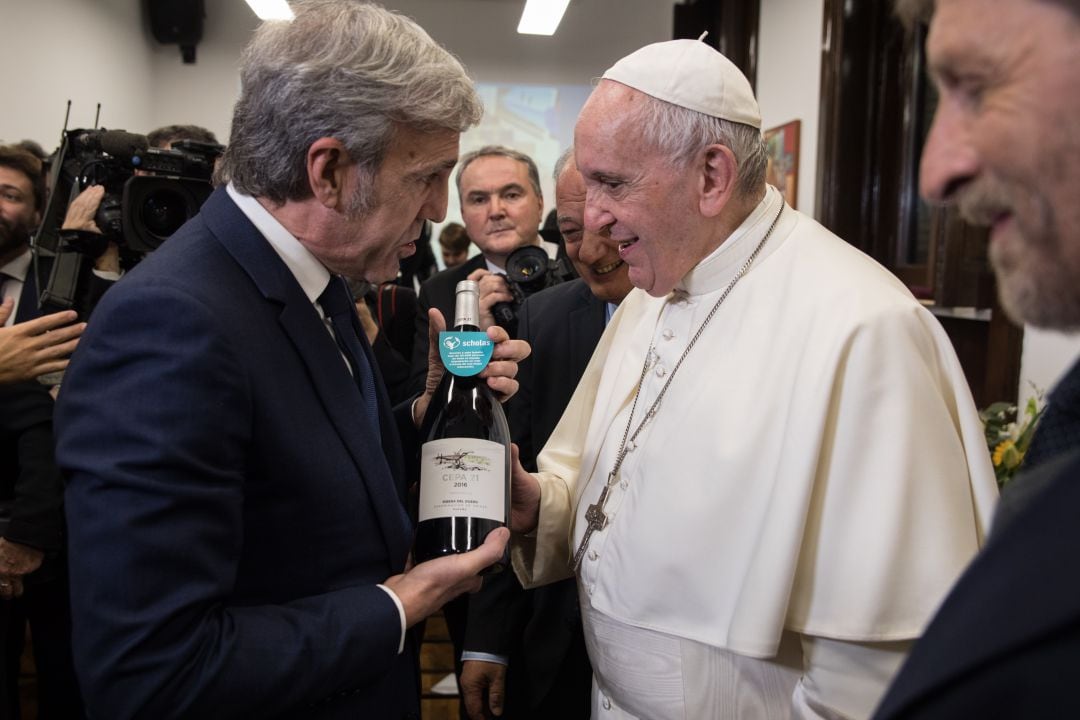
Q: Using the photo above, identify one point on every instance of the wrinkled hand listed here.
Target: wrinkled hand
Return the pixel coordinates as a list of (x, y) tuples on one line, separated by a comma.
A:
[(37, 346), (499, 373), (524, 496), (426, 587), (16, 560), (493, 289), (483, 688), (81, 210)]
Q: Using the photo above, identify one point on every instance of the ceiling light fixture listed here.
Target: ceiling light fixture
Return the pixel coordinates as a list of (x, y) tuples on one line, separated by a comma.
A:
[(271, 9), (541, 17)]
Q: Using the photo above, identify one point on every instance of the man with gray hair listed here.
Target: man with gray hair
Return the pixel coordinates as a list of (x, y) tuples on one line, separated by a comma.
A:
[(772, 469), (236, 498), (1003, 149)]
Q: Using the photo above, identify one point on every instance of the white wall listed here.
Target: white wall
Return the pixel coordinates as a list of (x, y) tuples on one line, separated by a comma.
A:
[(789, 79), (88, 51), (1047, 355), (203, 93)]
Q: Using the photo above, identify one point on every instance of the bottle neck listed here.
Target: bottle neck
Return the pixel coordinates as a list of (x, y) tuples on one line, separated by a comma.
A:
[(467, 312)]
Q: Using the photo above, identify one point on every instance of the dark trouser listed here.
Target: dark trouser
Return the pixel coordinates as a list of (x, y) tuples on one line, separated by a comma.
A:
[(45, 606)]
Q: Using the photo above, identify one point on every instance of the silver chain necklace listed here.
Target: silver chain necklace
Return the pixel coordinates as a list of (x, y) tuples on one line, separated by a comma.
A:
[(595, 516)]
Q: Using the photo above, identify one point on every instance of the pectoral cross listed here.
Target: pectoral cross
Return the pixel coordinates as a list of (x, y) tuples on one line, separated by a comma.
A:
[(596, 519)]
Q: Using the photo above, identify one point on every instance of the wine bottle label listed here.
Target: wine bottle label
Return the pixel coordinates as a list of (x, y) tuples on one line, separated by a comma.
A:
[(465, 353), (462, 477)]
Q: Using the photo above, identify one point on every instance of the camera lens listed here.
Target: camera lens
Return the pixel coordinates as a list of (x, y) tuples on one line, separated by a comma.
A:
[(163, 212), (527, 265)]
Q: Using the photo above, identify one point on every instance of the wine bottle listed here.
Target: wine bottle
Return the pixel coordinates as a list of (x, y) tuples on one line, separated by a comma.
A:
[(465, 459)]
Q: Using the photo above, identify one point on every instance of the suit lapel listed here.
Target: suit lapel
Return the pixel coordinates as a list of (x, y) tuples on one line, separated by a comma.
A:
[(335, 388), (586, 324)]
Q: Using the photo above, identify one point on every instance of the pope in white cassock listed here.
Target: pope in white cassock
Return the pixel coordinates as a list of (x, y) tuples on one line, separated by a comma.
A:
[(772, 470)]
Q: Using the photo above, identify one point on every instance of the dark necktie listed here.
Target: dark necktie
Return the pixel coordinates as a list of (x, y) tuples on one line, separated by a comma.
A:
[(337, 302)]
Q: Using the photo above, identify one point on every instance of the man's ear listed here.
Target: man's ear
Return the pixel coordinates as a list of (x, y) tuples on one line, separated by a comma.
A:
[(718, 180), (328, 165)]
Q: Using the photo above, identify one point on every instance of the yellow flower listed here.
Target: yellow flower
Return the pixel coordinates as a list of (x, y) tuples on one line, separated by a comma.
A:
[(999, 452), (1007, 454)]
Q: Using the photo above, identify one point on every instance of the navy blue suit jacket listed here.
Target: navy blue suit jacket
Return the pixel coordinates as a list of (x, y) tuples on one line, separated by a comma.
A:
[(229, 514)]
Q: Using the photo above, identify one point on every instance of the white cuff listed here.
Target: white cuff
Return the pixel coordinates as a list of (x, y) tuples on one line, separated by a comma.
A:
[(401, 614), (467, 655)]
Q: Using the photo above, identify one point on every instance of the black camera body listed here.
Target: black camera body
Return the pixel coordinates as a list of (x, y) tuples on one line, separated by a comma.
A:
[(149, 194), (528, 271)]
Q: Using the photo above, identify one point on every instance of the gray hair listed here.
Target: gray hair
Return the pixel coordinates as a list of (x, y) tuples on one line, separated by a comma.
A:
[(500, 151), (343, 69), (681, 133), (565, 159)]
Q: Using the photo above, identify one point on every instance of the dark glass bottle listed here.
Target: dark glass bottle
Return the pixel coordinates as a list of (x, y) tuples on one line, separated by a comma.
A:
[(465, 458)]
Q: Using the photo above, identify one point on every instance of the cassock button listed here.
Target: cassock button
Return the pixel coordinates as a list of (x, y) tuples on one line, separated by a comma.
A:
[(668, 333), (623, 484), (660, 371), (606, 703), (593, 555)]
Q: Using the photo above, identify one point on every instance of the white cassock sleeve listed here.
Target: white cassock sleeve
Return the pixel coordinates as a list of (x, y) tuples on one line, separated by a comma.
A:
[(545, 557)]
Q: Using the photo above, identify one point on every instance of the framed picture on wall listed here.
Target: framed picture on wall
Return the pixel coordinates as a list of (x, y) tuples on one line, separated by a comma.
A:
[(782, 172)]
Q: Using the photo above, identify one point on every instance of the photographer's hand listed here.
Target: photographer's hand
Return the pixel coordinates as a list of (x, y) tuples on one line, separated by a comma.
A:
[(493, 289), (81, 210), (80, 216)]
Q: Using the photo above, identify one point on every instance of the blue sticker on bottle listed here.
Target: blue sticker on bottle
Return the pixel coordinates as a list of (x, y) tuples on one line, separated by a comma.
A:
[(465, 353)]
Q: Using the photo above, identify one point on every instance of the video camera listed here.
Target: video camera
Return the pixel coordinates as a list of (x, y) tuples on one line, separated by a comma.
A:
[(149, 194), (528, 271)]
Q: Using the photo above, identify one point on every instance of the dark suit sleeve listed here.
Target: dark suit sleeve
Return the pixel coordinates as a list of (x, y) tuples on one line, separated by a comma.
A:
[(394, 368), (26, 423), (496, 615), (395, 313), (94, 288), (519, 410), (154, 429)]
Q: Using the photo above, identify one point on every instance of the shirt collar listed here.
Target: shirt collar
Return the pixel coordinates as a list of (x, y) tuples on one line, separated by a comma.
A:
[(717, 269), (305, 267), (18, 267)]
